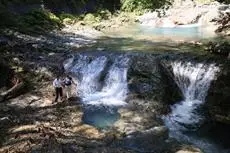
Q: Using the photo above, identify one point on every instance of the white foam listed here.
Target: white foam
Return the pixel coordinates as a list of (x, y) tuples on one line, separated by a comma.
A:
[(194, 81), (111, 92)]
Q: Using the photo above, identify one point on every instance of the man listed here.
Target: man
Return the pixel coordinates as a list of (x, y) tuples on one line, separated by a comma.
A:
[(57, 83), (68, 83)]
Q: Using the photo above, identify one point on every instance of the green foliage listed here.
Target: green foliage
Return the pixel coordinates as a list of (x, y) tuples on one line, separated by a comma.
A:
[(104, 14), (36, 21), (63, 16), (91, 18), (141, 5), (39, 21)]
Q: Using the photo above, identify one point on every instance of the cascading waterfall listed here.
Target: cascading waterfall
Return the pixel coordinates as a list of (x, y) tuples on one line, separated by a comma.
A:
[(111, 91), (194, 81), (100, 83), (90, 73), (115, 87)]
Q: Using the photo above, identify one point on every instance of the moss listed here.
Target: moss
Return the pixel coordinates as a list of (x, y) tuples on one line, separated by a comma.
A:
[(94, 18)]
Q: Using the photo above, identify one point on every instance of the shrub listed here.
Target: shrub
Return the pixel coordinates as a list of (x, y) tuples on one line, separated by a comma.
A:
[(63, 16), (104, 14), (141, 5), (42, 20)]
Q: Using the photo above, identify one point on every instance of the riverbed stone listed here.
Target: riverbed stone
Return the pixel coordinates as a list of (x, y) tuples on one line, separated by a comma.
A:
[(149, 140), (132, 120)]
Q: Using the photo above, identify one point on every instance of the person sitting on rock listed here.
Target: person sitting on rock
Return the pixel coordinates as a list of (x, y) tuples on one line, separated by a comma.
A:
[(57, 83)]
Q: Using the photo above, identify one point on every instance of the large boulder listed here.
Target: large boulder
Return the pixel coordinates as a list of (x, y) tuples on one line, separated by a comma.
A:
[(218, 97), (151, 83), (149, 79), (149, 140)]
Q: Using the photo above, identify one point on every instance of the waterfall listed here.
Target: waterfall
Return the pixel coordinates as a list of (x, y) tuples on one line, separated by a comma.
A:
[(194, 81), (112, 90)]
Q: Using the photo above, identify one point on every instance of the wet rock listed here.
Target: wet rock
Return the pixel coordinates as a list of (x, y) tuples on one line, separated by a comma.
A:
[(132, 120), (150, 140), (150, 80), (218, 96), (188, 149), (160, 131)]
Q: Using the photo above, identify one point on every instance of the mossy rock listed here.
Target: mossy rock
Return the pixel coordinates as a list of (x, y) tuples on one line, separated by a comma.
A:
[(91, 18)]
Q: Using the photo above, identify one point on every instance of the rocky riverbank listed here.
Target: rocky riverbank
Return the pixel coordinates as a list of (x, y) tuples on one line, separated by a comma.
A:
[(31, 123), (29, 120), (186, 13)]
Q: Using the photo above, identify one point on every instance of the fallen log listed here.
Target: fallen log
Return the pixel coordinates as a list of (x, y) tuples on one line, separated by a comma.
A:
[(14, 91)]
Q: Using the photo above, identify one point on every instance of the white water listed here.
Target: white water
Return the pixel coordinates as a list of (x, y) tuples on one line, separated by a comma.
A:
[(111, 91), (194, 81)]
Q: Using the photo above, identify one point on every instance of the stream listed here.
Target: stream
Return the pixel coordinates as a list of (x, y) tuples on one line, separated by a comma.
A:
[(103, 88)]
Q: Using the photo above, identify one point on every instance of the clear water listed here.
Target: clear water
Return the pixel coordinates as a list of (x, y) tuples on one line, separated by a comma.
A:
[(100, 117), (192, 32), (184, 31)]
